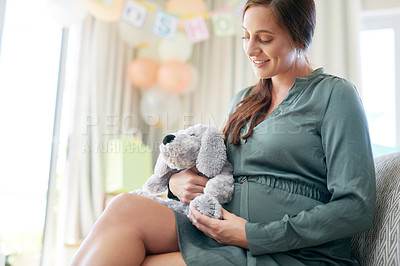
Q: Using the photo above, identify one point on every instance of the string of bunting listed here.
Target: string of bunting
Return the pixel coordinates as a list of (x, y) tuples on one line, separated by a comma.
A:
[(165, 24)]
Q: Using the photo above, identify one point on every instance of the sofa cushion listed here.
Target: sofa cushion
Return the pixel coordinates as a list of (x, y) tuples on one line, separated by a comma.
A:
[(381, 244)]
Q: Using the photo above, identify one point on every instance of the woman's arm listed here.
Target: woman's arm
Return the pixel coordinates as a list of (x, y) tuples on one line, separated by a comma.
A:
[(187, 185), (350, 180)]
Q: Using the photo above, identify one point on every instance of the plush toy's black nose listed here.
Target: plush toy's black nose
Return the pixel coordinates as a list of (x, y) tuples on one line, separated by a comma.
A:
[(168, 139)]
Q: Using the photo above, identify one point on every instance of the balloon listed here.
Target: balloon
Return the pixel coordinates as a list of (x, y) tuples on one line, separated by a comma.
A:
[(175, 76), (179, 48), (157, 107), (185, 7), (67, 12), (105, 10), (150, 50), (142, 72), (143, 36)]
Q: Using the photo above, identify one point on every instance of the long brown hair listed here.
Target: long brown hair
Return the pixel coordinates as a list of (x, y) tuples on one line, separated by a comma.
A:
[(297, 18)]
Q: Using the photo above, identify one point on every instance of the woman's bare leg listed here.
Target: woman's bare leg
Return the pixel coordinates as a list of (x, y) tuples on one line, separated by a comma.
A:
[(166, 259), (130, 228)]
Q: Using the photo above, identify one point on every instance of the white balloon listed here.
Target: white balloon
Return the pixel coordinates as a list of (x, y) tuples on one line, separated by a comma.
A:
[(179, 48), (67, 12), (149, 51), (159, 108), (135, 36)]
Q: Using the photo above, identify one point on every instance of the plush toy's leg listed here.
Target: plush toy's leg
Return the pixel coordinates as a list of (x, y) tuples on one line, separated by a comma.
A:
[(207, 205), (175, 205)]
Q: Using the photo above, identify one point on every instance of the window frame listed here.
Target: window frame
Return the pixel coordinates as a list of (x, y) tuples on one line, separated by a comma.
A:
[(381, 20), (2, 18)]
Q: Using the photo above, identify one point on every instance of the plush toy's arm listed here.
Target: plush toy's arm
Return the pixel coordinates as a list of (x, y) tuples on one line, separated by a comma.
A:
[(221, 187), (227, 169), (156, 184)]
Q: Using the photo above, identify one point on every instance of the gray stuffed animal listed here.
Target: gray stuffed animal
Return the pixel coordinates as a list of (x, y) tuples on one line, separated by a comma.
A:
[(201, 146)]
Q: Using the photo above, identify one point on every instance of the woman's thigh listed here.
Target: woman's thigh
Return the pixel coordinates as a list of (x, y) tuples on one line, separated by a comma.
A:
[(166, 259), (138, 217), (130, 228)]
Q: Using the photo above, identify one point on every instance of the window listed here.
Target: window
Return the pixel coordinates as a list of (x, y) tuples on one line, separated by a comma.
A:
[(380, 51), (29, 63)]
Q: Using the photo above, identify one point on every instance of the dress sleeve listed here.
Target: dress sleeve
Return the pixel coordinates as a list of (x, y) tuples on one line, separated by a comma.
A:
[(350, 180)]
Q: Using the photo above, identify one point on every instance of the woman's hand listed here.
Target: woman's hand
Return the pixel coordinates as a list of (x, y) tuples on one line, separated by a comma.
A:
[(229, 231), (187, 185)]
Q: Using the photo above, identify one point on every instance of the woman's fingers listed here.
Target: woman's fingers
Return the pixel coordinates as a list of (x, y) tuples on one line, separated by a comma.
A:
[(225, 214), (229, 231), (187, 185), (202, 221), (195, 170), (207, 225)]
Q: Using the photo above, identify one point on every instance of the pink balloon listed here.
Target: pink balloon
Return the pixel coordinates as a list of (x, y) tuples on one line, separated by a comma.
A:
[(175, 76), (142, 72)]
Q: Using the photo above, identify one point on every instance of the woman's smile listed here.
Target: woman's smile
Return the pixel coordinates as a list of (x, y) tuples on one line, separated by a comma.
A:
[(259, 63)]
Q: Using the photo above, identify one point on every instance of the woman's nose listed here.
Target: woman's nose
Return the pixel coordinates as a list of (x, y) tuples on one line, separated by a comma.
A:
[(251, 48)]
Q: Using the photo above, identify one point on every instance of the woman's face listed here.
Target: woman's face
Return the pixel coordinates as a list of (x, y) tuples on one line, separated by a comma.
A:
[(269, 48)]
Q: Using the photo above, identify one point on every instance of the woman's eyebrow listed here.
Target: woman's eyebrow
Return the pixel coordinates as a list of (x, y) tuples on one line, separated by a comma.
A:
[(261, 31)]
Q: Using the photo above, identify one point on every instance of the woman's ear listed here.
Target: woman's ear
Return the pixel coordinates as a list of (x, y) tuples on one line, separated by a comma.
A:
[(212, 154)]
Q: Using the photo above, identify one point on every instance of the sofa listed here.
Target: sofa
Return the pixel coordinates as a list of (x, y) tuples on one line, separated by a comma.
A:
[(380, 245)]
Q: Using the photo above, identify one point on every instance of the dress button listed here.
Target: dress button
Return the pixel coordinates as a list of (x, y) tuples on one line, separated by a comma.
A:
[(243, 141)]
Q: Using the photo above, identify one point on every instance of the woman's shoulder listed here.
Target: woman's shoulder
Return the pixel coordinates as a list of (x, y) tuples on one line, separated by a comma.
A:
[(242, 93), (341, 87), (238, 97), (332, 85), (335, 82), (337, 93)]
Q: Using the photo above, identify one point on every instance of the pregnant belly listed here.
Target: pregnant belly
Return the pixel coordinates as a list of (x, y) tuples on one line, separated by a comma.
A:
[(262, 203)]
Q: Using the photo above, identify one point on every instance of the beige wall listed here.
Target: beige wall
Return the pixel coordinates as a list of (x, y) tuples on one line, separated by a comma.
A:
[(380, 4)]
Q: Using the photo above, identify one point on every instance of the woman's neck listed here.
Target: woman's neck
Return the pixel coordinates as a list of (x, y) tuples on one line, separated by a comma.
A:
[(283, 82)]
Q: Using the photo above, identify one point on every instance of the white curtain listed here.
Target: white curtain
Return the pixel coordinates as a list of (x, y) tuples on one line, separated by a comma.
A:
[(223, 69), (336, 44), (104, 97)]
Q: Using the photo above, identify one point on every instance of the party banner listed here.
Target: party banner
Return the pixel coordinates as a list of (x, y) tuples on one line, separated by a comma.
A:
[(196, 29), (165, 25), (134, 14), (223, 24), (143, 15)]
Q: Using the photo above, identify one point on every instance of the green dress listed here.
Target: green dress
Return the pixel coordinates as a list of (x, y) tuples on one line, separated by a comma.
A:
[(305, 181)]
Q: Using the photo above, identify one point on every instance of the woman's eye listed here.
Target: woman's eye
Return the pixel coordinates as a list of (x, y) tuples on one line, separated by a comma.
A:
[(264, 41)]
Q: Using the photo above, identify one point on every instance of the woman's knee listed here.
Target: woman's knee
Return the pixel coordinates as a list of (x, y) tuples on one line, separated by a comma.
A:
[(126, 203), (145, 219), (136, 208)]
